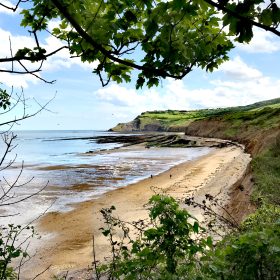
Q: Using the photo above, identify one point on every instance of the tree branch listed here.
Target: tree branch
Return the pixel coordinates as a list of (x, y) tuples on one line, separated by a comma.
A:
[(160, 72), (221, 7), (27, 116), (44, 57)]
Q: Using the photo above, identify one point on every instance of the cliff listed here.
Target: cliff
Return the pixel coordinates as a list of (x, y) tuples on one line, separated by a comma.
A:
[(254, 125)]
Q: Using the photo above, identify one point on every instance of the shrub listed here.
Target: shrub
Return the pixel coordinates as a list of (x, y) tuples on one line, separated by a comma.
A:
[(11, 249), (253, 255), (169, 248)]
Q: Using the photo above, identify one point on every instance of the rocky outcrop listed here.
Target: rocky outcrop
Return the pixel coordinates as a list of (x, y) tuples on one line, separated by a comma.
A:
[(139, 124), (126, 127), (162, 140)]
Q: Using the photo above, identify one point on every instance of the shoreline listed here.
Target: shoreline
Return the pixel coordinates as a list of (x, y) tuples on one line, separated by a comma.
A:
[(70, 246)]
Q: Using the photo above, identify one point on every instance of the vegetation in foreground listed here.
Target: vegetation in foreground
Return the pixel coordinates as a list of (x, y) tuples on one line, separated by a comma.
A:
[(174, 246)]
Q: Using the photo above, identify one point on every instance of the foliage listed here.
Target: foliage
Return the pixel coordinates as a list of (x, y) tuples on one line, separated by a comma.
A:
[(266, 170), (171, 238), (173, 36), (252, 255), (157, 38), (11, 249), (172, 247), (4, 99), (264, 216)]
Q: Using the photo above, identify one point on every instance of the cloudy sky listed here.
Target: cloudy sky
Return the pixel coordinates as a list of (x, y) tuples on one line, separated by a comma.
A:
[(80, 102)]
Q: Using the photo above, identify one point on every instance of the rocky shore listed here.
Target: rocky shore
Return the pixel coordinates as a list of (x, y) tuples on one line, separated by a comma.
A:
[(163, 140)]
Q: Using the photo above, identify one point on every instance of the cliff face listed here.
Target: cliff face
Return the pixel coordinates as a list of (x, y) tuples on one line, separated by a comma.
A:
[(138, 125), (255, 126), (255, 139), (125, 127)]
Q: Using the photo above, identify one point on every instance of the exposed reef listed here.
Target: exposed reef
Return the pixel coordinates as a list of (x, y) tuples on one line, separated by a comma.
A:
[(163, 140)]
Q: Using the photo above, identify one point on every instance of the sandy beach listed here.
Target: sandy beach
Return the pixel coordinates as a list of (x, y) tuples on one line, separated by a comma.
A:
[(66, 243)]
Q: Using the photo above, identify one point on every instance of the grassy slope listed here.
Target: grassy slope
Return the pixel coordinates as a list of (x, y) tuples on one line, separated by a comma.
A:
[(263, 114), (266, 174), (255, 125)]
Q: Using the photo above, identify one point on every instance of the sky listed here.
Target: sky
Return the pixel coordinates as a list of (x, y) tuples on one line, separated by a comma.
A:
[(78, 100)]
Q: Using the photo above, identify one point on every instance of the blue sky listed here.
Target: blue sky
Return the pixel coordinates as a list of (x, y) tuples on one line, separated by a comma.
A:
[(80, 102)]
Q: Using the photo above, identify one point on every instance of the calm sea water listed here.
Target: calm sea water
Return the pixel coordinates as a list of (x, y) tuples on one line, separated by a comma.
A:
[(71, 176)]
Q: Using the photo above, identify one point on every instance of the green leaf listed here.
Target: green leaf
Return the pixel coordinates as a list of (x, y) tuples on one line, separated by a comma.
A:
[(152, 28), (266, 17), (106, 232), (178, 4), (196, 227)]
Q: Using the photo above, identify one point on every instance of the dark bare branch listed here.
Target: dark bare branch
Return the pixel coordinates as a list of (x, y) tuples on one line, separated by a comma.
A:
[(44, 57), (34, 73), (27, 116)]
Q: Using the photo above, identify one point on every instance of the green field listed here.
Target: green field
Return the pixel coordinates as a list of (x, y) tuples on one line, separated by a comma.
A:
[(263, 114)]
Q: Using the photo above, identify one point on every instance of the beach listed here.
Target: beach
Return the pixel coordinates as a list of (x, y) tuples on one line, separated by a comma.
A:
[(66, 243)]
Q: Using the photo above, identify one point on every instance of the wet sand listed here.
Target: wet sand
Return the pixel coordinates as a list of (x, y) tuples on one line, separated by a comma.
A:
[(66, 242)]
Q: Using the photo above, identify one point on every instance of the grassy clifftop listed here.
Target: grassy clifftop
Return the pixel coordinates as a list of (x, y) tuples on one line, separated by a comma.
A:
[(259, 113), (248, 124)]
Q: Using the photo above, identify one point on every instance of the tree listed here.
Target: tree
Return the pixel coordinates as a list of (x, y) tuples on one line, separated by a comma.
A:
[(159, 39)]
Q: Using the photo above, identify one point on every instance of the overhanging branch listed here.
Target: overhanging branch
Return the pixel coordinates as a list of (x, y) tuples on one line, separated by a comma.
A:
[(221, 7), (160, 72)]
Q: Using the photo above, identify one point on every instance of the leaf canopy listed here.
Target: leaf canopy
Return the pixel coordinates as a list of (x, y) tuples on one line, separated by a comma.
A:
[(158, 38)]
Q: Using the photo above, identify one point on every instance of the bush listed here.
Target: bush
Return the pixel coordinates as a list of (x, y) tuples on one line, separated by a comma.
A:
[(253, 255), (169, 247), (265, 216), (11, 249), (172, 246)]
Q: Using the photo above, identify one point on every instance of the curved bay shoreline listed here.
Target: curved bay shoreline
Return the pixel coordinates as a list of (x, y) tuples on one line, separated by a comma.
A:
[(70, 246)]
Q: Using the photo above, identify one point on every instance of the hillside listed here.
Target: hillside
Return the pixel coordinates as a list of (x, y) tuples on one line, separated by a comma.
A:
[(253, 125)]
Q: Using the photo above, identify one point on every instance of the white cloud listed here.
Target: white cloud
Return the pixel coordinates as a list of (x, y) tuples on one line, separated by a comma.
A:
[(58, 61), (62, 58), (237, 69), (241, 85), (53, 24), (17, 41), (17, 80), (262, 42)]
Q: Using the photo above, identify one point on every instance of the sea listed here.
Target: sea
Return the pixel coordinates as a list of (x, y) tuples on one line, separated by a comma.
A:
[(57, 166)]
